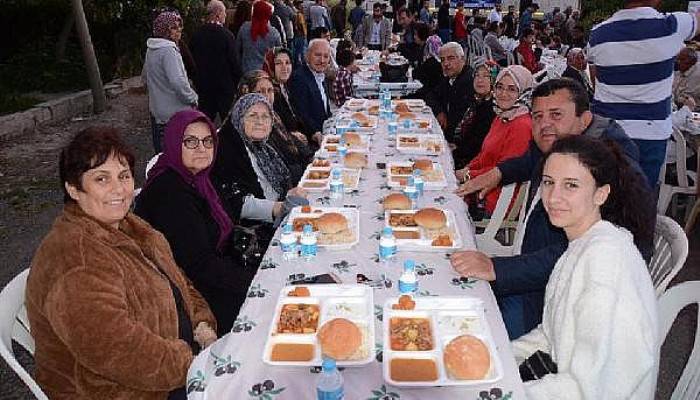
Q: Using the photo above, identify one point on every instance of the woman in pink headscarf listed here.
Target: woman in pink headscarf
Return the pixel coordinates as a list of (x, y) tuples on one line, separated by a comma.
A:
[(256, 37)]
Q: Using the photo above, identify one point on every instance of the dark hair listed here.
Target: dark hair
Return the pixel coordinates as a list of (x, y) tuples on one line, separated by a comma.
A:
[(629, 203), (405, 10), (527, 32), (377, 5), (91, 148), (344, 57), (343, 45), (577, 92), (250, 80), (460, 4), (243, 13), (493, 27), (422, 30), (358, 2), (318, 32)]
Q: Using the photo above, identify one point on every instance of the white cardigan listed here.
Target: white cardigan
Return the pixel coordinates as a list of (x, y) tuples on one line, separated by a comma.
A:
[(599, 324)]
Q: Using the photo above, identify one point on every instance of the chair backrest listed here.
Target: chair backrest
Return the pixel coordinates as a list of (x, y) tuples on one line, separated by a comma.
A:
[(488, 53), (510, 58), (151, 163), (670, 252), (15, 325), (681, 157), (670, 304), (486, 241)]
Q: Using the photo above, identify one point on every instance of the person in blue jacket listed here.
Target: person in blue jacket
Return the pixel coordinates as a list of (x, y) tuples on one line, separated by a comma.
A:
[(560, 108)]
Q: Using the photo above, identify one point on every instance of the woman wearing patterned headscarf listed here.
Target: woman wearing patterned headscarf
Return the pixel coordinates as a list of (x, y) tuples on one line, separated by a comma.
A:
[(164, 75), (193, 218), (255, 37), (471, 131), (248, 164), (511, 130), (427, 69)]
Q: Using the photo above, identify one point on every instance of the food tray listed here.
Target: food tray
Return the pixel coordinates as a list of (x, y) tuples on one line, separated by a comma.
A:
[(351, 214), (355, 104), (351, 179), (424, 241), (449, 317), (353, 302), (415, 105), (330, 143), (435, 180), (420, 144), (347, 121)]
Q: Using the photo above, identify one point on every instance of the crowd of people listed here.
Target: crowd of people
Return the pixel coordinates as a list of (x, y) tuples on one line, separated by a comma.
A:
[(121, 298)]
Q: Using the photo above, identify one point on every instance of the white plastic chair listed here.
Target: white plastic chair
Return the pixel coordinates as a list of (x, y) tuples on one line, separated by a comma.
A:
[(683, 174), (502, 218), (14, 325), (510, 57), (670, 252), (152, 162), (670, 304)]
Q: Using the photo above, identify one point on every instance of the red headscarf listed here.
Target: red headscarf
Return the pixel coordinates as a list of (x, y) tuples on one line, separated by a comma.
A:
[(262, 11)]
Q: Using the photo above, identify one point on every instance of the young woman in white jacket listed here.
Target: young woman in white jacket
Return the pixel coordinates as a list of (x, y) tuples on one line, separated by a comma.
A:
[(600, 319)]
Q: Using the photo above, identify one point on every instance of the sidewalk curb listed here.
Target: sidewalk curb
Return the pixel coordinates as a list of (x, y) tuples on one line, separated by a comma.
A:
[(61, 109)]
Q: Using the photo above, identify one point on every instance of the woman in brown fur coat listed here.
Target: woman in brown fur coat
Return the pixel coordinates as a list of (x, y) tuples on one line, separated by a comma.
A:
[(112, 315)]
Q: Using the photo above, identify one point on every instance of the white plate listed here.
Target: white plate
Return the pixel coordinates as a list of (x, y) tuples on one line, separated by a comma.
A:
[(334, 302), (449, 317), (351, 214), (438, 182), (325, 151), (424, 242), (425, 144)]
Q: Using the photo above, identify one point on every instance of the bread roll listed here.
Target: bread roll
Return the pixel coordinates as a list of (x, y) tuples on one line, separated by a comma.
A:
[(352, 138), (423, 165), (397, 201), (466, 357), (355, 160), (430, 218), (339, 338), (332, 223)]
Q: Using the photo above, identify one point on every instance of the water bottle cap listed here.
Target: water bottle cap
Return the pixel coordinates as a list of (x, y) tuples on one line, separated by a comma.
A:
[(308, 228), (387, 231), (410, 181), (409, 265), (417, 172), (336, 173), (328, 365), (287, 228)]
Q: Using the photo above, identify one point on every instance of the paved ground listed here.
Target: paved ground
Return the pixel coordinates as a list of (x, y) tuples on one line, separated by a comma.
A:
[(30, 198)]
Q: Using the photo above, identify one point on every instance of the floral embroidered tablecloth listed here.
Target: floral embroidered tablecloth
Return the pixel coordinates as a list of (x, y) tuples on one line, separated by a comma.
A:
[(232, 368)]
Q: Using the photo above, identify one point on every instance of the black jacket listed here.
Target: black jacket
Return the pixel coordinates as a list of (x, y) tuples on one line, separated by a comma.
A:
[(528, 273), (453, 99), (470, 133), (182, 215), (217, 64), (290, 119), (306, 99), (429, 73)]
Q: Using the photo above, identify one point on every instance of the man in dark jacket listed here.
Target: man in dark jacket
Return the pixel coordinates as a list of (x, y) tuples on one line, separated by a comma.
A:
[(560, 109), (455, 92), (217, 65), (307, 91), (576, 69)]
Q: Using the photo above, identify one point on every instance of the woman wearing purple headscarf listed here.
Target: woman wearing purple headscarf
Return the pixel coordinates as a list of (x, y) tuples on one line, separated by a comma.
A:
[(179, 200), (164, 74)]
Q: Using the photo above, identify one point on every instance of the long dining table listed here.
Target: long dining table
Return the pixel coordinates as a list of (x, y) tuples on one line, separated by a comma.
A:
[(233, 366)]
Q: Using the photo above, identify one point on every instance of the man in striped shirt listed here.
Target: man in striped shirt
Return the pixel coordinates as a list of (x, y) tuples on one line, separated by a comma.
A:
[(632, 55)]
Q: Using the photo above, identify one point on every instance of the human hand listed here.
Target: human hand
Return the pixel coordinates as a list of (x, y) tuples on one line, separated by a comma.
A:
[(473, 264), (462, 174), (300, 136), (297, 191), (483, 183), (204, 335), (277, 209), (318, 138), (442, 120)]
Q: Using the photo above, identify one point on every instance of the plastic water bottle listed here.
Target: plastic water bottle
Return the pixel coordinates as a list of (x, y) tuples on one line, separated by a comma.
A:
[(330, 383), (288, 243), (308, 243), (336, 185), (411, 191), (392, 127), (342, 148), (408, 281), (418, 181), (387, 245)]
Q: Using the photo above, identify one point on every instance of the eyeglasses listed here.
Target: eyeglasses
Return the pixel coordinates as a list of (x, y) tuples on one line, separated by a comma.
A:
[(510, 89), (192, 142), (483, 76), (264, 118)]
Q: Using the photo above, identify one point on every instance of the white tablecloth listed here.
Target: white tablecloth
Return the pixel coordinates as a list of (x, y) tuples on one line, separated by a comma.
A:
[(232, 368)]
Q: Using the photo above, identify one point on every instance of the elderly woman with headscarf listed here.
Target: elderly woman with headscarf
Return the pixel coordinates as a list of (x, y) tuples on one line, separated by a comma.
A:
[(427, 69), (164, 75), (256, 36), (471, 131), (291, 146), (511, 130), (112, 315), (248, 164), (180, 201), (279, 65)]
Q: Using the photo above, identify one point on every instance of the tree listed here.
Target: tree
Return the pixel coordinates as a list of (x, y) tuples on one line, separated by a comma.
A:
[(99, 100)]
